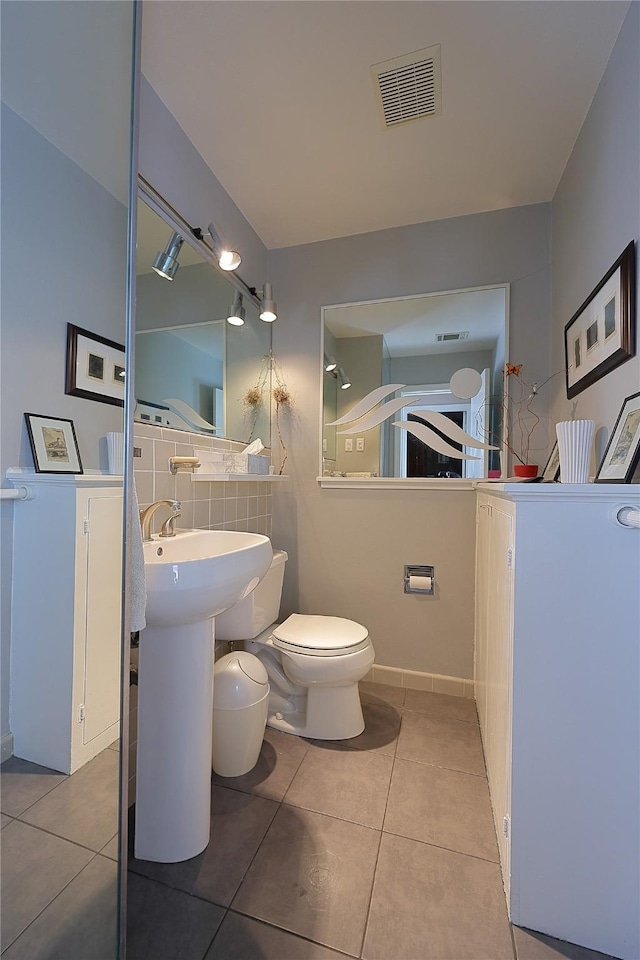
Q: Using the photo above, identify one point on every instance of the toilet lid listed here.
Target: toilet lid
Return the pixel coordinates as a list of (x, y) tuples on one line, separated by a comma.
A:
[(320, 635)]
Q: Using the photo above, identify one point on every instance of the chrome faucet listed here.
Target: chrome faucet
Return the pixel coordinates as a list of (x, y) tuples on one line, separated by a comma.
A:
[(168, 527)]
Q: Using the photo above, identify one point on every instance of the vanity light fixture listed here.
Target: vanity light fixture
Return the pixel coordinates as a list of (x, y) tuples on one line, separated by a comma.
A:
[(345, 382), (227, 259), (268, 308), (237, 314), (329, 363), (166, 261)]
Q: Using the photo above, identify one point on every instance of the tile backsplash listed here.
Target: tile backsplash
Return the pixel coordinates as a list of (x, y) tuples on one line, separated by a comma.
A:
[(207, 505)]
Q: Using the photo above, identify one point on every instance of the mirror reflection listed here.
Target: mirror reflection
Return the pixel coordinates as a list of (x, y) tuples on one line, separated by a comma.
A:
[(199, 343), (417, 343)]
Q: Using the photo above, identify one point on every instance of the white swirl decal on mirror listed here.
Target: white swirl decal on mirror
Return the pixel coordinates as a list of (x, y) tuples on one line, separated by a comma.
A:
[(382, 413), (431, 439), (439, 420), (367, 403), (453, 431)]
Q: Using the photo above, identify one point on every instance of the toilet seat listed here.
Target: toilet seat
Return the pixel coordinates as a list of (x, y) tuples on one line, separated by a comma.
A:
[(318, 636)]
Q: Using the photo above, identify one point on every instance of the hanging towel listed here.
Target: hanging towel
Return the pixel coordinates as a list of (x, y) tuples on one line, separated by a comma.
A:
[(138, 591)]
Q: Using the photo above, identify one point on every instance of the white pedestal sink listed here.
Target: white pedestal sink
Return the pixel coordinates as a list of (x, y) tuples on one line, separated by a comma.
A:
[(191, 578)]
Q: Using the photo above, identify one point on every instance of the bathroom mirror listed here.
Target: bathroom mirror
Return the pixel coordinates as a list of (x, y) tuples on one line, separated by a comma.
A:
[(192, 367), (67, 155), (417, 342)]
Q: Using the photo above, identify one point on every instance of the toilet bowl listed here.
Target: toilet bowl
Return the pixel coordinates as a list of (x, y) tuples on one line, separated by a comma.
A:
[(314, 663)]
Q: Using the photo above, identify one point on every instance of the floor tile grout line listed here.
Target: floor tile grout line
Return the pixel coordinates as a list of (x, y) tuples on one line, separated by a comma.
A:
[(438, 716), (439, 846), (17, 816), (375, 868), (297, 770), (300, 936), (439, 766), (257, 850), (370, 902), (211, 942), (59, 836), (52, 901)]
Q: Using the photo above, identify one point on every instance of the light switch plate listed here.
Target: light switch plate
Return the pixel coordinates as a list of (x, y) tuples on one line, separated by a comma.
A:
[(360, 444), (348, 445)]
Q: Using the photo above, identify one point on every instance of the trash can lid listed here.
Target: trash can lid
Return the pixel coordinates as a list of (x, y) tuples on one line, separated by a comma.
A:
[(239, 680)]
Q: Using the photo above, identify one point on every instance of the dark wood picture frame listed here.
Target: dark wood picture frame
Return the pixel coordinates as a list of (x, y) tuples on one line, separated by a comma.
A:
[(93, 379), (54, 444), (627, 448), (623, 345)]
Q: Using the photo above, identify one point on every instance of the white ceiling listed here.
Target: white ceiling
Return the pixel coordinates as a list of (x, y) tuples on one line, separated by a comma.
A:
[(409, 324), (277, 97)]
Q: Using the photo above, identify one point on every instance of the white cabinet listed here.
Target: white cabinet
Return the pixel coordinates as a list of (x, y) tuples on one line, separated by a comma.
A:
[(66, 618), (558, 677)]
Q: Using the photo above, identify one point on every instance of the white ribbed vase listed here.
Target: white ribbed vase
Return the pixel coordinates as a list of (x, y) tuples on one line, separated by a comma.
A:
[(575, 440), (115, 453)]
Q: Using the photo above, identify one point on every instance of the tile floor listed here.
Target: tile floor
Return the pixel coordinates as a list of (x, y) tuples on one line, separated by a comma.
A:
[(59, 853), (381, 847)]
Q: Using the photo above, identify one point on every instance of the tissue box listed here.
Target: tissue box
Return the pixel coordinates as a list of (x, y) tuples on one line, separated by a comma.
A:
[(246, 463)]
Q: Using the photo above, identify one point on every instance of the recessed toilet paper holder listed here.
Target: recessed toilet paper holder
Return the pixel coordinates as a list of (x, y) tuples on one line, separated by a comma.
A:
[(419, 578)]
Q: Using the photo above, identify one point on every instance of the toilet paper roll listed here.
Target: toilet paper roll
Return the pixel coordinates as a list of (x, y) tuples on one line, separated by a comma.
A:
[(420, 583)]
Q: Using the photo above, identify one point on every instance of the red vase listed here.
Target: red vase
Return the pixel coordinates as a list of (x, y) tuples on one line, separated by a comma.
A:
[(527, 470)]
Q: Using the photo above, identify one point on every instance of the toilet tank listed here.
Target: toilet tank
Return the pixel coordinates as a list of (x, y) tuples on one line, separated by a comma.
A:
[(259, 610)]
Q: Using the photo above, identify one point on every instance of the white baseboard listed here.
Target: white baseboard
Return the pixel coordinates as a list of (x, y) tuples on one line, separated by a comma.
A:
[(6, 747), (418, 680)]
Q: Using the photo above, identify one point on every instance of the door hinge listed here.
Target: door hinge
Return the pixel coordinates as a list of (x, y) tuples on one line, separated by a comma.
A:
[(505, 827), (85, 525), (510, 557), (81, 713)]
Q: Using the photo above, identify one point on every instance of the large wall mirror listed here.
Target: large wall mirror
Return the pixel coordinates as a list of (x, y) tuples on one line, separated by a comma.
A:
[(417, 343), (193, 367)]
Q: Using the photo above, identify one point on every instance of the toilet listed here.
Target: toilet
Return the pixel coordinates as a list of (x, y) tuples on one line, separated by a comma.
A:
[(314, 663)]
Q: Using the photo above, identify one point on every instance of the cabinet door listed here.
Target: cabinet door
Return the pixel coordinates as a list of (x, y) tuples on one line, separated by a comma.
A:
[(483, 579), (496, 731), (103, 616)]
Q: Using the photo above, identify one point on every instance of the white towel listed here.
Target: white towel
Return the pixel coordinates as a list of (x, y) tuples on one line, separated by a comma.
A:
[(138, 592)]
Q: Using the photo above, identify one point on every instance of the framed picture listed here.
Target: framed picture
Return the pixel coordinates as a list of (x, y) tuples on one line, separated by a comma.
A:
[(95, 367), (601, 335), (551, 472), (623, 450), (53, 444)]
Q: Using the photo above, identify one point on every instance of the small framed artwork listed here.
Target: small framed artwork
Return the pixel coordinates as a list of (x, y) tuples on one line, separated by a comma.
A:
[(623, 450), (95, 367), (551, 472), (53, 444), (601, 335)]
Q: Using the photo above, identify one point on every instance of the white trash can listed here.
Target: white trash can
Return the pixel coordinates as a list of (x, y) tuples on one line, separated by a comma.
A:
[(240, 700)]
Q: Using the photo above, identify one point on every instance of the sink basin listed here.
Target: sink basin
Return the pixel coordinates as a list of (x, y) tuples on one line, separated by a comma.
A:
[(190, 578), (200, 573)]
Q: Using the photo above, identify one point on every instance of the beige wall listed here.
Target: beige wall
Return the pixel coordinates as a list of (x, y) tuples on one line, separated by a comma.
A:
[(348, 548), (361, 358), (596, 213)]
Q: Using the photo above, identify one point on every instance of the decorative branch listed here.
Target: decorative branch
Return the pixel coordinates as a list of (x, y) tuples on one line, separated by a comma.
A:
[(283, 401)]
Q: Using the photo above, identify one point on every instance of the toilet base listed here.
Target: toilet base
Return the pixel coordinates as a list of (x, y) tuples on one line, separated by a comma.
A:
[(332, 713)]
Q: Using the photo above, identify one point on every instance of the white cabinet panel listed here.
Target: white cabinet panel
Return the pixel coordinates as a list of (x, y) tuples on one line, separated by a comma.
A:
[(66, 619), (558, 669), (103, 617)]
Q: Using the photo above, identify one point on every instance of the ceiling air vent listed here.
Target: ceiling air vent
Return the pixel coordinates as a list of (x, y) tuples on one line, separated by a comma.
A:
[(409, 87), (447, 337)]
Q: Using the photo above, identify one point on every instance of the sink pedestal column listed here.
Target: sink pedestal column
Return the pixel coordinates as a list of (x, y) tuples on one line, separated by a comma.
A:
[(173, 778)]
